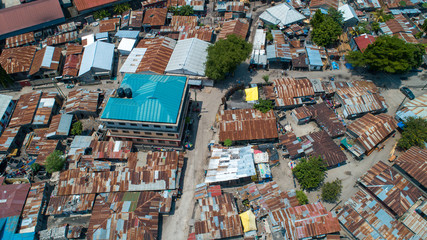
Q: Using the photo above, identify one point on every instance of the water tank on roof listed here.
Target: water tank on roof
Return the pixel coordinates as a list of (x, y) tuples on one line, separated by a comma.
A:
[(121, 93), (128, 92)]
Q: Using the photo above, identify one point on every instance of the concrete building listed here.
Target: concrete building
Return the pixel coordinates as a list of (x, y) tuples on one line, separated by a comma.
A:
[(148, 116), (6, 108), (97, 62)]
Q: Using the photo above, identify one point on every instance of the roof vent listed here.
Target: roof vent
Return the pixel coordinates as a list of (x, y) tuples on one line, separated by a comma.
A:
[(121, 93), (128, 92)]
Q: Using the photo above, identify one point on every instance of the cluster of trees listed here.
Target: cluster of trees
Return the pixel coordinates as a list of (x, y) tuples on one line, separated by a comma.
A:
[(77, 128), (263, 105), (55, 162), (185, 10), (414, 133), (225, 55), (101, 14), (120, 8), (331, 191), (310, 172), (326, 28), (302, 198), (388, 54)]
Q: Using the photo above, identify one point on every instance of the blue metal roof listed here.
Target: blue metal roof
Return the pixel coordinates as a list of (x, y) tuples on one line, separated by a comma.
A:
[(155, 98), (101, 35), (8, 227), (127, 34), (314, 57)]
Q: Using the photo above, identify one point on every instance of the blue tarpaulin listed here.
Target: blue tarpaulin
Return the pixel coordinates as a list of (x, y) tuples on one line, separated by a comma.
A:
[(349, 66), (335, 66)]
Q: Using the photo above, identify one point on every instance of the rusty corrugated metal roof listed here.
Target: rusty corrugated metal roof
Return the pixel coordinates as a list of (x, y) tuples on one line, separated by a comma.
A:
[(47, 104), (41, 147), (358, 100), (414, 163), (372, 129), (390, 187), (219, 218), (82, 5), (238, 27), (302, 112), (156, 58), (16, 60), (109, 25), (178, 21), (246, 124), (74, 49), (155, 16), (135, 19), (61, 38), (20, 40), (50, 56), (7, 138), (289, 91), (366, 218), (117, 150), (130, 215), (203, 33), (70, 204), (72, 65), (305, 221), (415, 220), (25, 109), (327, 119), (324, 3), (32, 208), (82, 100)]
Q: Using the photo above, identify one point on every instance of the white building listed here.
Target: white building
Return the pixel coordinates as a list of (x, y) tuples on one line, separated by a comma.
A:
[(281, 15), (349, 15), (97, 61), (126, 45), (189, 57)]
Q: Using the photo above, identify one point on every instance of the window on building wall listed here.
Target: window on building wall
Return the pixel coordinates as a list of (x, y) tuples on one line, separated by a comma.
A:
[(112, 130), (136, 132), (159, 134), (171, 135), (124, 131), (169, 127), (10, 104), (111, 123), (157, 126), (122, 123), (133, 124), (150, 140), (145, 125), (170, 142), (147, 133), (161, 141), (129, 139)]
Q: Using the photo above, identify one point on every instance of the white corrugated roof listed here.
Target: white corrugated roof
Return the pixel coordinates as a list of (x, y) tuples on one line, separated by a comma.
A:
[(347, 12), (98, 55), (4, 103), (282, 14), (188, 57), (126, 44), (133, 60)]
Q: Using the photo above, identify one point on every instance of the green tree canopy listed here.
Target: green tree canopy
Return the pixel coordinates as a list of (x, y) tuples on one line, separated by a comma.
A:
[(35, 167), (414, 133), (186, 10), (77, 128), (225, 55), (55, 162), (101, 14), (302, 198), (424, 26), (331, 191), (228, 142), (310, 172), (263, 105), (326, 28), (120, 8), (388, 54), (266, 78), (381, 16), (5, 79)]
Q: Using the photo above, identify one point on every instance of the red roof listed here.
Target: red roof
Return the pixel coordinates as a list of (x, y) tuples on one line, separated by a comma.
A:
[(13, 199), (363, 41), (215, 191), (82, 5), (28, 15)]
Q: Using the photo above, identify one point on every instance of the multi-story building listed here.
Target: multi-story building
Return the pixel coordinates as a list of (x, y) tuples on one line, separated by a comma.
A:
[(148, 110), (6, 108)]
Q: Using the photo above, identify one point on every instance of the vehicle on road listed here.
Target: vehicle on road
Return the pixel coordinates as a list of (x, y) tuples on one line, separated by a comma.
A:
[(407, 92)]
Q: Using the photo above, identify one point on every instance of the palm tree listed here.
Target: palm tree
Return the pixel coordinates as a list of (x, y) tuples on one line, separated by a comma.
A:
[(120, 8)]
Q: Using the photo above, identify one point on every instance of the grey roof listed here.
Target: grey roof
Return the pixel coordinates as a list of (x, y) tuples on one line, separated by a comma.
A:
[(348, 12), (127, 34), (97, 55), (314, 58), (79, 142), (282, 15), (101, 35), (4, 103), (188, 57), (65, 124)]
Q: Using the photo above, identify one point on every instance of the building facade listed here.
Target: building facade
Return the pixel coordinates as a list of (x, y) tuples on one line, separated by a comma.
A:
[(148, 116)]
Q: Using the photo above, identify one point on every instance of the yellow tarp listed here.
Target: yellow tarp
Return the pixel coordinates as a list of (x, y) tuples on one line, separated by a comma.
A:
[(248, 221), (251, 94)]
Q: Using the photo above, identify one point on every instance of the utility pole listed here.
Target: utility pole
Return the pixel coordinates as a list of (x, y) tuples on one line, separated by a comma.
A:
[(401, 104), (55, 83)]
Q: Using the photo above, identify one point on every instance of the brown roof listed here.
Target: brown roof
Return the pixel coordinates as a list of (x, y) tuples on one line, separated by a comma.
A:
[(155, 16), (178, 21), (324, 3), (246, 124), (302, 112), (117, 150), (32, 209), (7, 139), (109, 25), (289, 91), (176, 3), (74, 49), (70, 204), (305, 221), (25, 109), (290, 141), (61, 38), (203, 33), (371, 130), (82, 5), (130, 215), (72, 65), (397, 4), (135, 19), (41, 147), (234, 6), (39, 58), (19, 40), (31, 14), (13, 198), (366, 218), (414, 163), (324, 146), (390, 187), (221, 209), (327, 119), (45, 108), (156, 58), (82, 100), (16, 60), (238, 27)]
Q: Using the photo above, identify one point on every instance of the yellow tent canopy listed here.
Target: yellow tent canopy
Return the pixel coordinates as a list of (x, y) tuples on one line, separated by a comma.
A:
[(248, 221), (251, 94)]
